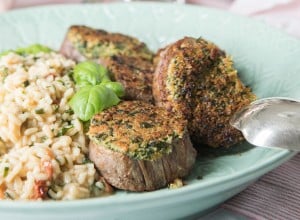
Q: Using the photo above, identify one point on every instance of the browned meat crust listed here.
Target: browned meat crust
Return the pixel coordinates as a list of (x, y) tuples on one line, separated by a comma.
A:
[(128, 59), (139, 147), (136, 128), (97, 43), (135, 74), (125, 173), (197, 79)]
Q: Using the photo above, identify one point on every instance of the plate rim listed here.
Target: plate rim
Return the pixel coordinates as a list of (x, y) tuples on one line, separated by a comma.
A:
[(278, 157)]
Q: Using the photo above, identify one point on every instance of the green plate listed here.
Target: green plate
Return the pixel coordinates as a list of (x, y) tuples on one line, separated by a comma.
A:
[(267, 60)]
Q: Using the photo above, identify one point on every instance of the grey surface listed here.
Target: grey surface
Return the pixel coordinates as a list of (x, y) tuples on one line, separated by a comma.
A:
[(223, 214)]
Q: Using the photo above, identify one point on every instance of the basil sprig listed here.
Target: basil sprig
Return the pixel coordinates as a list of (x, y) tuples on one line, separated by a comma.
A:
[(31, 49), (97, 92)]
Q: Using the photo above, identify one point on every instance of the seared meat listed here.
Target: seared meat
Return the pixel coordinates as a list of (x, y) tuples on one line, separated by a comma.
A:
[(97, 44), (197, 79), (139, 147), (128, 59), (135, 74)]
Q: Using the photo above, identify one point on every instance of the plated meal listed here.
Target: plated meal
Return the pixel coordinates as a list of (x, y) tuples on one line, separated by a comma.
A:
[(105, 113), (266, 61)]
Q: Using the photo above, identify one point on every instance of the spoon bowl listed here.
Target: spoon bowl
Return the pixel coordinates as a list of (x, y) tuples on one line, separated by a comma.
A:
[(270, 122)]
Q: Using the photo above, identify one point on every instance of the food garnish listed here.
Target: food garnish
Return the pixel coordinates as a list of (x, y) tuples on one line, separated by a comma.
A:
[(31, 49), (97, 92)]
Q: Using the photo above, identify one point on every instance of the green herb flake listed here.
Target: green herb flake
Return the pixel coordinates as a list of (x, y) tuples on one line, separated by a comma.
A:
[(99, 185), (69, 111), (5, 172), (133, 113), (86, 125), (40, 111), (102, 136), (55, 108), (26, 83), (53, 188), (44, 138), (86, 160), (60, 81), (66, 161), (64, 130), (3, 74), (7, 195), (146, 125), (137, 140), (58, 161)]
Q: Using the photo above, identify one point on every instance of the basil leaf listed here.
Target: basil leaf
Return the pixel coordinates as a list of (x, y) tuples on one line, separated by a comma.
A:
[(89, 73), (32, 49), (3, 53), (116, 87), (90, 100), (111, 98)]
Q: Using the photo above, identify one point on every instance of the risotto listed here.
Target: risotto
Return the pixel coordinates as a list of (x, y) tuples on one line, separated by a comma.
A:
[(42, 143)]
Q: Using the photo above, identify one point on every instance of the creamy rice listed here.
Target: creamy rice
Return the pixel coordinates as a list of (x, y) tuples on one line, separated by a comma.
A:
[(43, 146)]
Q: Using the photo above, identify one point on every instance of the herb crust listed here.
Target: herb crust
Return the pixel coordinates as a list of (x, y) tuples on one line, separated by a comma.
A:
[(137, 129)]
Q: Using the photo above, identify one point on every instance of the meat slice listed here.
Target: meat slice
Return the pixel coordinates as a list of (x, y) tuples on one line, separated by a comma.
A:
[(98, 44), (139, 147), (197, 79), (130, 61), (135, 74)]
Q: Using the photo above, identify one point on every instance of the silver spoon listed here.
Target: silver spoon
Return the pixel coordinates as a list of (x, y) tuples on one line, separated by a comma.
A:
[(270, 122)]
